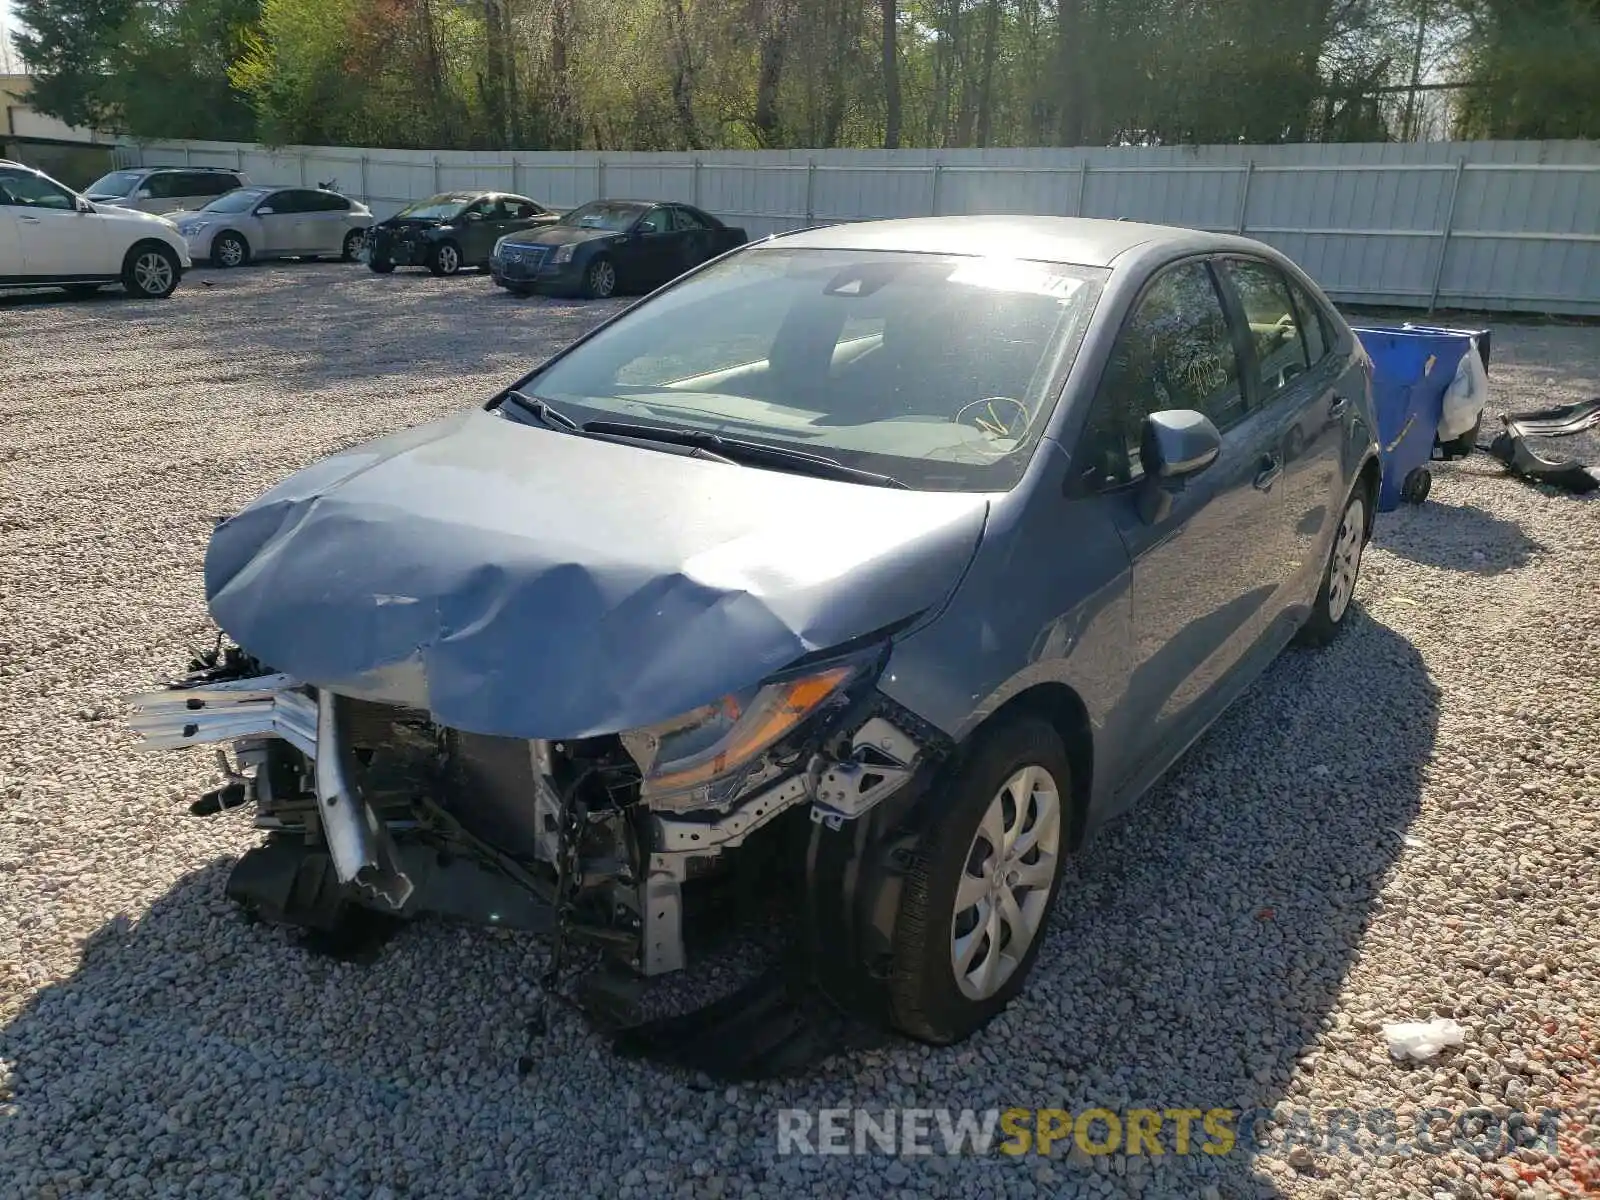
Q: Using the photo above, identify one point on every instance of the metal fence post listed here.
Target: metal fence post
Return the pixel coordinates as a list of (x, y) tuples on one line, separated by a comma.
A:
[(1244, 197), (515, 186), (436, 186), (811, 191), (302, 160), (599, 178), (697, 183), (364, 197), (186, 157), (238, 158), (1083, 186), (933, 200), (1449, 228)]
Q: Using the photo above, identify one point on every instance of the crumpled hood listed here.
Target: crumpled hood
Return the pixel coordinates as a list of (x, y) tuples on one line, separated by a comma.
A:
[(526, 583)]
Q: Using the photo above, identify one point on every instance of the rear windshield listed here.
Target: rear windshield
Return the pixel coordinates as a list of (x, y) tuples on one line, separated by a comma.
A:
[(442, 208), (236, 201), (118, 183), (940, 371)]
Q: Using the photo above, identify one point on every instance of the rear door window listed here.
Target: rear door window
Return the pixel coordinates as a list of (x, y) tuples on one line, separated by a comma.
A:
[(1280, 347)]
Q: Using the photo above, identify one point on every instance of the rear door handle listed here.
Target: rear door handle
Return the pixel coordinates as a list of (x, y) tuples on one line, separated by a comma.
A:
[(29, 220), (1340, 406), (1267, 475)]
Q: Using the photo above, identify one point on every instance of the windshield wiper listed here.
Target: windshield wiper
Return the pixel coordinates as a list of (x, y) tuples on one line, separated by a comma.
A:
[(754, 454), (541, 411)]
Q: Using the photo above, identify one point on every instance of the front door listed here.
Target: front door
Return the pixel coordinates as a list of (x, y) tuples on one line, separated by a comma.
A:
[(10, 244), (655, 249), (55, 239), (280, 215), (1203, 574)]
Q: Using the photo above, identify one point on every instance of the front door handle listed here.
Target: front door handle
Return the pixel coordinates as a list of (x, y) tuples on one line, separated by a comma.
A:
[(1340, 406), (29, 220), (1271, 467)]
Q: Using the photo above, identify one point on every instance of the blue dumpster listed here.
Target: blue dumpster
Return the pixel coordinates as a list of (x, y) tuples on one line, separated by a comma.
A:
[(1412, 366)]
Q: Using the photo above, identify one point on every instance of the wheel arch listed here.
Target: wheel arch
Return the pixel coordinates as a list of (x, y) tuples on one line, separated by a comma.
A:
[(1369, 480), (151, 243), (1059, 706)]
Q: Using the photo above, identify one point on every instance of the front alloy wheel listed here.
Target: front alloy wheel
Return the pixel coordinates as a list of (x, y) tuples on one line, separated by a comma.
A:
[(151, 271), (600, 280), (229, 250), (445, 259)]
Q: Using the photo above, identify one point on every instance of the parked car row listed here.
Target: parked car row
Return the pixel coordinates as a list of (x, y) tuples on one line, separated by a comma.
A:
[(595, 250), (53, 236)]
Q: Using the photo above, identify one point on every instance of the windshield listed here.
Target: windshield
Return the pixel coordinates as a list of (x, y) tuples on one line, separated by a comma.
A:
[(939, 371), (236, 201), (438, 208), (604, 214), (118, 183)]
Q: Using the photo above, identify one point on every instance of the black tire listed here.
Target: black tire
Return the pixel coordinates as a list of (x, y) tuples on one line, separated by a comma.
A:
[(1415, 487), (1330, 611), (229, 249), (353, 241), (600, 279), (926, 1002), (381, 266), (143, 273), (445, 258)]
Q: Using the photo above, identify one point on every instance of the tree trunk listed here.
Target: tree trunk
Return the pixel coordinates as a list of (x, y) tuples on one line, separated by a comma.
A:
[(891, 76), (774, 48), (1069, 70), (563, 126), (991, 49), (683, 78)]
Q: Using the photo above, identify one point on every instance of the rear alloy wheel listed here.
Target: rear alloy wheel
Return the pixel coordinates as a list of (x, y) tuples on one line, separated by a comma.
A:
[(976, 905), (445, 259), (1338, 588), (150, 271), (600, 280), (229, 250), (353, 241)]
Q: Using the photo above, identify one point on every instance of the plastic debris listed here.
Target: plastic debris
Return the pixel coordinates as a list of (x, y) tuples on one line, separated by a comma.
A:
[(1423, 1040)]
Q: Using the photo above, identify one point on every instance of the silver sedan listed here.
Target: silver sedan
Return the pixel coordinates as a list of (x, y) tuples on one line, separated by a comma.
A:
[(266, 222)]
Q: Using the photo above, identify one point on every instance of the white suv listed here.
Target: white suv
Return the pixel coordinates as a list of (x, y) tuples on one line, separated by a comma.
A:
[(52, 237)]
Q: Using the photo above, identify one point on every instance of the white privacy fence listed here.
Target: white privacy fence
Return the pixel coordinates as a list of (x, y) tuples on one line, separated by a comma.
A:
[(1510, 226)]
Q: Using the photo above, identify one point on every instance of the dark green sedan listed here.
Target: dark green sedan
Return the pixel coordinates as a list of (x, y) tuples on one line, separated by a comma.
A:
[(451, 230)]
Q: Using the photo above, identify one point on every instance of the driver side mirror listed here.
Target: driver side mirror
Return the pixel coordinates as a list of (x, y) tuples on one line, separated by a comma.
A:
[(265, 210), (82, 205), (1174, 445), (142, 194), (474, 216)]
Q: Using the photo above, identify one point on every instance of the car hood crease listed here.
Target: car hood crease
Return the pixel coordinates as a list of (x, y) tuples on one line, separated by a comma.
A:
[(521, 582)]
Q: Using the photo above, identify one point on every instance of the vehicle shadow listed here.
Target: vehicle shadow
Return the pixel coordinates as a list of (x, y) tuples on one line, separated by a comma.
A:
[(43, 297), (1199, 950), (1455, 537)]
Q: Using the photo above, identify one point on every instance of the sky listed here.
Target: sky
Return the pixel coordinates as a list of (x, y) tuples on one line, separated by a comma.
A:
[(8, 56)]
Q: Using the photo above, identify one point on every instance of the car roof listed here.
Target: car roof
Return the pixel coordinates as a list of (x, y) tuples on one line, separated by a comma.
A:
[(1084, 241)]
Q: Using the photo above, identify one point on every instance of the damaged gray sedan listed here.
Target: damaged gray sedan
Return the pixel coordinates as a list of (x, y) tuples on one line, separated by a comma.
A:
[(872, 565)]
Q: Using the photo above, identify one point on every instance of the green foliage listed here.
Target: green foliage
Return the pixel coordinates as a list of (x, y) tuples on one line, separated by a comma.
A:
[(665, 74)]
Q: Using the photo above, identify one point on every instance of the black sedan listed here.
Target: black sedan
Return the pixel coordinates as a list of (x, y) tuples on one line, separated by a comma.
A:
[(452, 230), (608, 246)]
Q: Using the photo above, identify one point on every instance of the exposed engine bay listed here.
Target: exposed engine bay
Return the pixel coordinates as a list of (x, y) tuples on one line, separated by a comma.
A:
[(369, 806)]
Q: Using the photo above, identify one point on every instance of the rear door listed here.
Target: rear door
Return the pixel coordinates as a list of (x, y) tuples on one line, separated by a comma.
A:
[(325, 222), (1202, 575), (1294, 381), (200, 188), (10, 242)]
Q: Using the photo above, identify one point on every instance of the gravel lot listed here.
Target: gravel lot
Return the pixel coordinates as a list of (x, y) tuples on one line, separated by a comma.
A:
[(1403, 825)]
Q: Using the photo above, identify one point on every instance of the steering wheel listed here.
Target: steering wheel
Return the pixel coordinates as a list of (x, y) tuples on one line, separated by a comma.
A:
[(1009, 420)]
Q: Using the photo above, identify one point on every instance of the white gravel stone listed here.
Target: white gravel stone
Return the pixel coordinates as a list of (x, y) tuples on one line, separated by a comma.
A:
[(1237, 941)]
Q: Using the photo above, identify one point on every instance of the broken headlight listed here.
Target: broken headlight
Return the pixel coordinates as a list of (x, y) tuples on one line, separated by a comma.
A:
[(718, 743)]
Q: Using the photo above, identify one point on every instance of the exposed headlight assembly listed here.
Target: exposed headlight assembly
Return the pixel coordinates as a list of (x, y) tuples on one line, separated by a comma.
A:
[(564, 253), (709, 750)]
